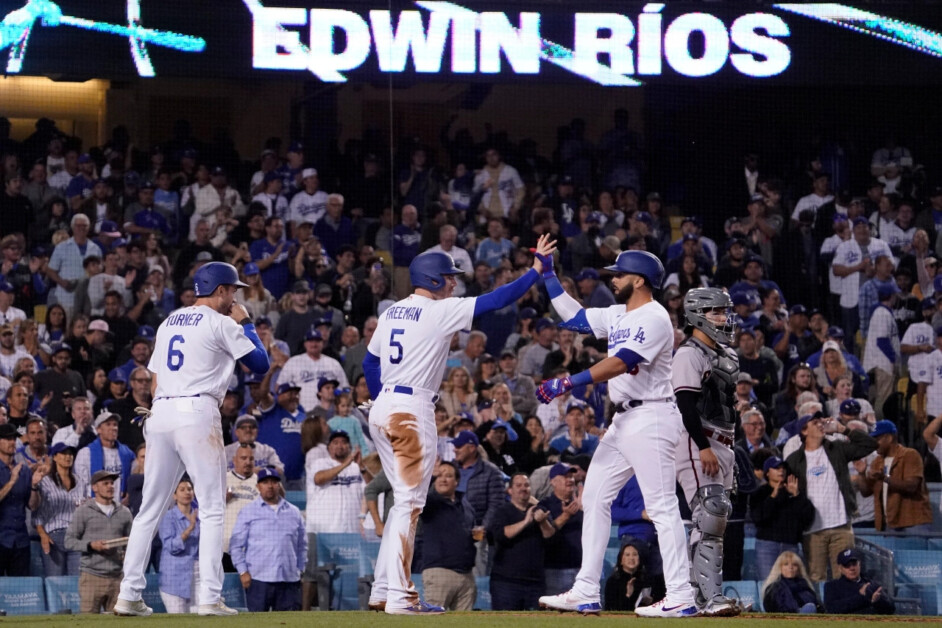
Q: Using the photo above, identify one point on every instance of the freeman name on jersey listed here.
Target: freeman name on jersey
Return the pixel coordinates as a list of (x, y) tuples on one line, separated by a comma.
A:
[(400, 312)]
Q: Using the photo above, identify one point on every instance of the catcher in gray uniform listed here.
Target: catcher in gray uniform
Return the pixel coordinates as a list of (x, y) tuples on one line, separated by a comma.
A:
[(704, 381)]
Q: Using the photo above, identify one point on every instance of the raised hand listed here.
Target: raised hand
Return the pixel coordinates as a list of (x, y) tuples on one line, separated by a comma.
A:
[(543, 254), (552, 388)]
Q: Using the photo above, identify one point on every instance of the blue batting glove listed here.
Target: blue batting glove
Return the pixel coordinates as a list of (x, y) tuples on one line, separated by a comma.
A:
[(552, 388), (547, 261)]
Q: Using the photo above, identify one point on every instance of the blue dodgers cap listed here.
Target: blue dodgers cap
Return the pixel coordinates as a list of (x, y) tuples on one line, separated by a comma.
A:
[(883, 427), (798, 309), (741, 298), (250, 268), (287, 387), (313, 334), (270, 176), (694, 219), (268, 473), (253, 378), (527, 312), (263, 320), (594, 217), (644, 217), (511, 432), (836, 332), (851, 407), (561, 468), (691, 236), (58, 448), (465, 438), (338, 434), (772, 462), (848, 556), (6, 286), (860, 220), (587, 273), (887, 290), (542, 324), (62, 346), (928, 303), (323, 381), (296, 147), (117, 376), (465, 417), (146, 331)]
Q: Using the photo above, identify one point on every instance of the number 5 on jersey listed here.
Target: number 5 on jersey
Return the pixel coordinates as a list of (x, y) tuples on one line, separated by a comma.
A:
[(175, 356), (395, 344)]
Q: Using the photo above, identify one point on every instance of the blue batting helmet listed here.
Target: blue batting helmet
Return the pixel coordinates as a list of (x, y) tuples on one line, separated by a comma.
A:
[(214, 274), (639, 263), (428, 270)]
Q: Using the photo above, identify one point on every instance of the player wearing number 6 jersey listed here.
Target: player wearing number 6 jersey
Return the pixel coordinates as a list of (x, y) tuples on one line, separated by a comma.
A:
[(194, 356), (404, 366), (644, 434)]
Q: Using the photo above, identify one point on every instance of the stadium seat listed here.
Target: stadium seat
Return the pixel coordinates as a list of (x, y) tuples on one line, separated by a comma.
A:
[(346, 592), (369, 552), (339, 549), (483, 601), (297, 498), (896, 543), (62, 593), (22, 596), (935, 544), (918, 567), (233, 592), (151, 593), (929, 596), (749, 571), (608, 564), (746, 591)]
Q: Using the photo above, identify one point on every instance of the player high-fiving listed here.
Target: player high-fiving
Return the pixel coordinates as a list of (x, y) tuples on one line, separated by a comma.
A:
[(404, 366)]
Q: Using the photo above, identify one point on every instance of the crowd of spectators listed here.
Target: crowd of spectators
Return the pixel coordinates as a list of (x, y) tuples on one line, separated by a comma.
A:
[(835, 294)]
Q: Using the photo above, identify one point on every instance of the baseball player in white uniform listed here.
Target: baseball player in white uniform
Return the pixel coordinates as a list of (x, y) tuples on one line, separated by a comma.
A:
[(705, 371), (644, 435), (404, 366), (194, 356)]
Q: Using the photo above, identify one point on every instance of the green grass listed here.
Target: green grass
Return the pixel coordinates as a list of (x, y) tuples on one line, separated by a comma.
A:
[(450, 620)]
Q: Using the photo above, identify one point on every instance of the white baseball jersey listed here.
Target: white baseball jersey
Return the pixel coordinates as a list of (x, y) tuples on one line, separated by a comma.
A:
[(306, 207), (848, 253), (918, 334), (305, 372), (829, 247), (647, 331), (413, 337), (195, 352), (896, 236), (930, 373), (882, 325), (335, 506)]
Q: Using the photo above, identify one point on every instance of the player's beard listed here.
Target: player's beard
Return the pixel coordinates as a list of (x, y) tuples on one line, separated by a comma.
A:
[(624, 295)]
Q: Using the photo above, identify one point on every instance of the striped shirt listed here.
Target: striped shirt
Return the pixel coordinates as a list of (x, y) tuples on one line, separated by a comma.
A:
[(58, 505)]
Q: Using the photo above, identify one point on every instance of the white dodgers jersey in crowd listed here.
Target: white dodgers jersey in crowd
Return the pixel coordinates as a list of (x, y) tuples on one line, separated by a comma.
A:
[(195, 352), (413, 337), (647, 331)]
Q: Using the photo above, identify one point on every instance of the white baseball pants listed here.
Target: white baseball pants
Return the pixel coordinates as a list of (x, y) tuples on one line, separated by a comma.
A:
[(641, 441), (404, 433), (182, 433)]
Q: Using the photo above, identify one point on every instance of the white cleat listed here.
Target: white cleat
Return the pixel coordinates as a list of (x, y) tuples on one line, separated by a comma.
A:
[(124, 608), (665, 608), (568, 602), (219, 608)]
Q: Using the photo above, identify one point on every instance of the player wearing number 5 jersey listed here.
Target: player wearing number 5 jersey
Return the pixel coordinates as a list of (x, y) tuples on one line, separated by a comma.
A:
[(644, 434), (194, 356), (404, 366)]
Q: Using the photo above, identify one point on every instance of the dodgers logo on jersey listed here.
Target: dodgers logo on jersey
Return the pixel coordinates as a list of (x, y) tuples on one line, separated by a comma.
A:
[(290, 426), (852, 258)]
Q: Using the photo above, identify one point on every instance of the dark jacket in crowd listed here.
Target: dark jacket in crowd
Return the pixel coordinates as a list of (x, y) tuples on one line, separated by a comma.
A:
[(842, 596), (783, 518), (787, 595), (484, 490), (564, 548), (519, 559), (839, 453), (617, 586), (446, 533)]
